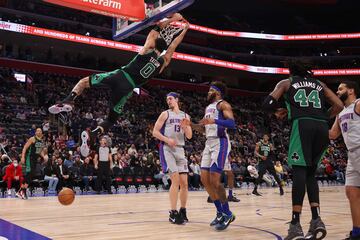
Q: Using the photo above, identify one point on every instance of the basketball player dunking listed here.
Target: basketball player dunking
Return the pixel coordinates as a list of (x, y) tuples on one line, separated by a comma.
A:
[(149, 62), (218, 117), (305, 98), (171, 133), (348, 124)]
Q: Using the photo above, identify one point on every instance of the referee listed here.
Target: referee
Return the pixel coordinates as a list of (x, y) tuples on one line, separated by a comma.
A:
[(103, 164)]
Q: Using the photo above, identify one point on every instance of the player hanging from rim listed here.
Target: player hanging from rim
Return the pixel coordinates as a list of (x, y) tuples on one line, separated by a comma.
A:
[(151, 61), (305, 99), (218, 118)]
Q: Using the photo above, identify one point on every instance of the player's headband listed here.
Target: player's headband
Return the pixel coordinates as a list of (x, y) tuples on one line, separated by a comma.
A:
[(216, 88), (172, 94)]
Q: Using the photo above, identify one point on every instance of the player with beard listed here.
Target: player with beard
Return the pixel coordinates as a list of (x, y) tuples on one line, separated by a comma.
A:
[(169, 130), (347, 123), (305, 99), (218, 118)]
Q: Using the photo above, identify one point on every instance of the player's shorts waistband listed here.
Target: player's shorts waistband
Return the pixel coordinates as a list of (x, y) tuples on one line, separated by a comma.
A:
[(214, 138), (310, 118)]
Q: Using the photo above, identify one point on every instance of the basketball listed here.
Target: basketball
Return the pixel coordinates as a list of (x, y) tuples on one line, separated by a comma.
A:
[(66, 196)]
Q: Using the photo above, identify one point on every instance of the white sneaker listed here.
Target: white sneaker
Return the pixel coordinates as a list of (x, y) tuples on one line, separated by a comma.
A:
[(9, 192), (84, 148), (61, 107)]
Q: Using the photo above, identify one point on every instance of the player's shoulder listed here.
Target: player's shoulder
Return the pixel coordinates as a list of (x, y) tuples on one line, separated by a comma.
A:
[(165, 113), (224, 104)]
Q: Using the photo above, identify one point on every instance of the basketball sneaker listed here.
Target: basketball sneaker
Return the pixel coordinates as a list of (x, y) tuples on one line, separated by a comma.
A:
[(295, 232), (281, 191), (217, 219), (317, 230), (84, 148), (175, 217), (225, 222), (61, 107), (352, 237), (19, 194), (232, 198), (182, 212), (256, 193)]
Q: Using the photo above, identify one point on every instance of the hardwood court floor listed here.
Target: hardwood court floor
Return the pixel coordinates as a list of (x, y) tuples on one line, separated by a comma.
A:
[(145, 216)]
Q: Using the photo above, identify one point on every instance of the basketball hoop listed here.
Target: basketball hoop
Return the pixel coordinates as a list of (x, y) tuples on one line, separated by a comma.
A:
[(169, 32)]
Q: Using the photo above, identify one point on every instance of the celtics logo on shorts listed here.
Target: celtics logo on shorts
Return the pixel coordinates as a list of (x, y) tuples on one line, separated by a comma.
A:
[(295, 157)]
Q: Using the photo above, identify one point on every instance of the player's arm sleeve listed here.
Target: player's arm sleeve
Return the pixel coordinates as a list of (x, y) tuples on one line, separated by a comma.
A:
[(229, 121)]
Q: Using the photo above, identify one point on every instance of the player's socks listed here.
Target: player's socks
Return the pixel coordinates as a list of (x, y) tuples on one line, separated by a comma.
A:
[(295, 217), (70, 98), (355, 232), (218, 206), (226, 209), (315, 212), (230, 192)]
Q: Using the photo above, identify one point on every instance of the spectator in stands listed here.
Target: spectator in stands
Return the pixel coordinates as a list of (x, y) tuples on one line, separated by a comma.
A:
[(160, 175), (4, 161), (279, 170), (87, 173), (21, 115), (46, 126), (69, 160), (194, 173), (63, 174), (13, 174), (50, 175), (132, 150)]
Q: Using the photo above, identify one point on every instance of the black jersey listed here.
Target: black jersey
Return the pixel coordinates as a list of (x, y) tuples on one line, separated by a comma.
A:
[(264, 148), (305, 98), (144, 67), (33, 152)]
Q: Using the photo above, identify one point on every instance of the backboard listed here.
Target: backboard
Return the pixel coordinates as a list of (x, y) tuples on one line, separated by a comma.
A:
[(155, 10)]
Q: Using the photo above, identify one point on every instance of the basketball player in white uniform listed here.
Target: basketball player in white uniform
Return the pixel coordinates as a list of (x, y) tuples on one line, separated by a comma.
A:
[(347, 123), (169, 130), (218, 118)]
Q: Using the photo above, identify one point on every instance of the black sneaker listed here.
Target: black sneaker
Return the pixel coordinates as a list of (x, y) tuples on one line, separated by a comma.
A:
[(233, 199), (225, 222), (281, 191), (317, 230), (175, 217), (295, 232), (217, 219), (209, 200), (255, 192), (352, 237), (182, 212), (24, 194)]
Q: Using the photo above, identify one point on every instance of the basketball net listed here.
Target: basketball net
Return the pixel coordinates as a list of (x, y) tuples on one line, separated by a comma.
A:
[(167, 33)]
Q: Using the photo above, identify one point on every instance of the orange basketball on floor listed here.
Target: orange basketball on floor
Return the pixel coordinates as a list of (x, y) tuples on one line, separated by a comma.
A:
[(66, 196)]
